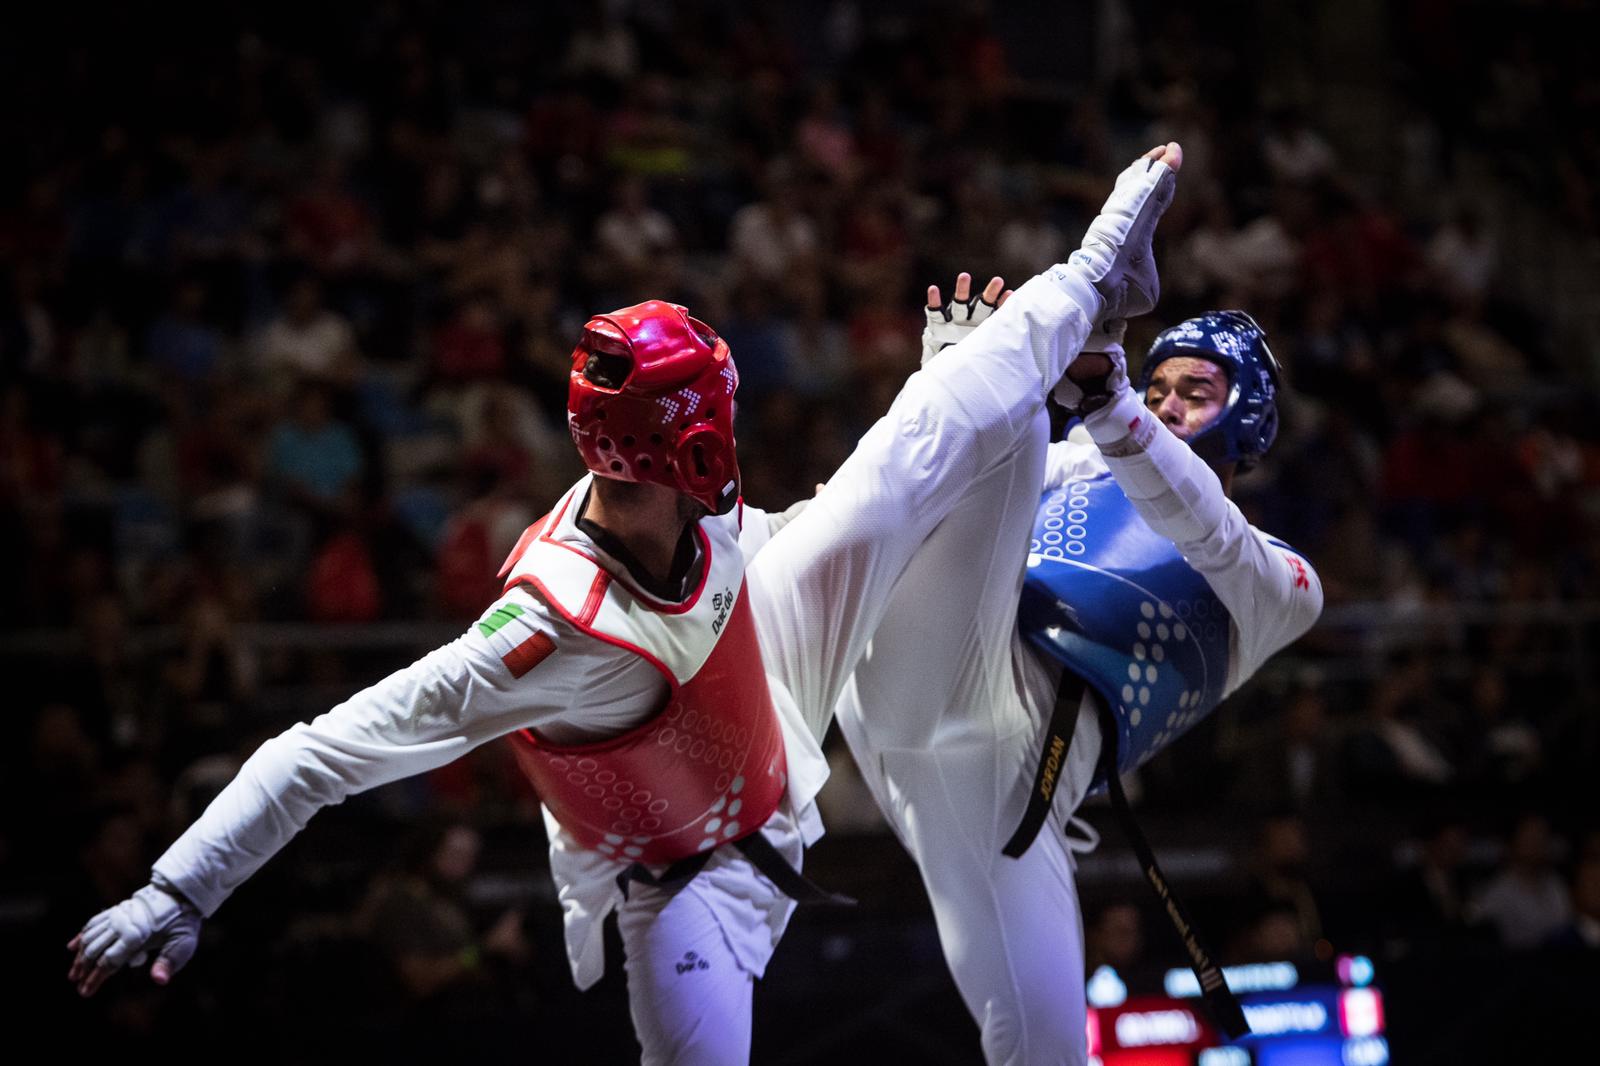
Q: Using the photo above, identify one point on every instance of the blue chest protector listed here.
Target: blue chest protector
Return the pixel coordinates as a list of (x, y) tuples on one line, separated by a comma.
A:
[(1114, 601)]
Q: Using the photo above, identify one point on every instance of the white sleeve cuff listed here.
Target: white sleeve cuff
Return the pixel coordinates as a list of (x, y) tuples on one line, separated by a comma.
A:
[(1069, 280), (1171, 487)]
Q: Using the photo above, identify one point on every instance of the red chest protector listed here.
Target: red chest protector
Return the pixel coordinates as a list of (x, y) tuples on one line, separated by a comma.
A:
[(709, 767)]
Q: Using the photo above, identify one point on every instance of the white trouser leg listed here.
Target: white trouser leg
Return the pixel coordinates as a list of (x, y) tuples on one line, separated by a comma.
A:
[(946, 727), (820, 587), (948, 624), (689, 996), (1011, 929)]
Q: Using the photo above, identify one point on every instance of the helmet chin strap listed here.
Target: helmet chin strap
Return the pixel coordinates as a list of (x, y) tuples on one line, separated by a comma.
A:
[(1210, 445)]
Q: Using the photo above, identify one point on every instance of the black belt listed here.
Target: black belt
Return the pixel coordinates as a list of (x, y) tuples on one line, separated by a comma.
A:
[(762, 855), (1221, 1003), (1057, 739)]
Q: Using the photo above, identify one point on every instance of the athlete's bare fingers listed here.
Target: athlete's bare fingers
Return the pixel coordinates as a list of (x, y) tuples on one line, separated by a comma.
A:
[(161, 970), (992, 291), (1170, 153), (97, 977), (963, 291), (80, 965), (934, 302), (1004, 297)]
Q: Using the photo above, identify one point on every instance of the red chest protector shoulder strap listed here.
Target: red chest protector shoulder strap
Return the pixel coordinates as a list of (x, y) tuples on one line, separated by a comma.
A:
[(709, 767)]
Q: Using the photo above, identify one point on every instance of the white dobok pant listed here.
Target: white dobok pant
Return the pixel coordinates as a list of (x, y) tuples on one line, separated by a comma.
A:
[(946, 718)]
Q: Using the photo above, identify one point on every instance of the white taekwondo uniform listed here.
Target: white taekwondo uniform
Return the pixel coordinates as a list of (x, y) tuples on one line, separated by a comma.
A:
[(948, 710)]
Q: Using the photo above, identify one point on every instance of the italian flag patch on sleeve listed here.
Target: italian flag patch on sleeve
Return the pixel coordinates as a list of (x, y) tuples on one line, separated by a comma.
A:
[(526, 653)]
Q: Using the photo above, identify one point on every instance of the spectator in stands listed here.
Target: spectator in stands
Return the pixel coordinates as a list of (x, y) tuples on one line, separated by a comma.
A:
[(774, 237), (874, 250), (1031, 236), (1525, 902), (1426, 905), (1294, 151), (1115, 938), (635, 245), (314, 458), (420, 913), (214, 668), (328, 225), (308, 340), (1283, 916), (816, 352), (1502, 747), (823, 138), (602, 47), (181, 342), (471, 345), (63, 767), (1583, 931), (1391, 757), (1463, 256), (1292, 764)]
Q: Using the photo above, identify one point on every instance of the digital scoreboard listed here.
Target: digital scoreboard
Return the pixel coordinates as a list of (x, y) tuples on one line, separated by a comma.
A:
[(1300, 1014)]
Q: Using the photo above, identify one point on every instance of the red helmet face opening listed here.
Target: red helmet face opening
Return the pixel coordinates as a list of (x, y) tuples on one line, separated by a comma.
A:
[(650, 399)]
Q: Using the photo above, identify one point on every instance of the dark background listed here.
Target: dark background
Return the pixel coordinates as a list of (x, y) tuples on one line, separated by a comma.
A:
[(286, 298)]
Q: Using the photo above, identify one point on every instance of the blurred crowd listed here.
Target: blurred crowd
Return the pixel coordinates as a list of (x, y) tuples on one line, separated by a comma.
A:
[(287, 300)]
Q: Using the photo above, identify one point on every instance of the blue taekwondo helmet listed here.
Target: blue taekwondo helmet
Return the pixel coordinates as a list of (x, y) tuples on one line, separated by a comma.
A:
[(1248, 424)]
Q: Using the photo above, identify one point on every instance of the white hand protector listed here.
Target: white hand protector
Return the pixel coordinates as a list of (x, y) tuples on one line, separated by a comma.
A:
[(1116, 256), (151, 920), (952, 323), (1081, 398)]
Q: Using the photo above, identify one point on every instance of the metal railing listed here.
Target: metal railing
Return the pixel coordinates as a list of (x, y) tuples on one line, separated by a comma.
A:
[(1350, 632)]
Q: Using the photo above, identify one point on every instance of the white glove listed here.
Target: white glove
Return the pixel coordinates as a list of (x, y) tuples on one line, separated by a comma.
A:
[(1095, 393), (1116, 256), (951, 323), (151, 920)]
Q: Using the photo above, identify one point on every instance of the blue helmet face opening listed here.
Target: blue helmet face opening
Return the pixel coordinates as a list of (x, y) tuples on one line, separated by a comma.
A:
[(1248, 423)]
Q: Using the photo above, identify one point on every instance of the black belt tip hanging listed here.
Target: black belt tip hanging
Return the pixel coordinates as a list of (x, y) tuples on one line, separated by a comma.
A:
[(1220, 1002)]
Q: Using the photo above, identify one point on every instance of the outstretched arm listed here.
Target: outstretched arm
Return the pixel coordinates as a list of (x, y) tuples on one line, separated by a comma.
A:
[(437, 709), (1272, 591)]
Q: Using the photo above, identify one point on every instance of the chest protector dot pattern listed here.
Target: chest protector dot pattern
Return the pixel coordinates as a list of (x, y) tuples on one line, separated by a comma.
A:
[(708, 768), (1116, 604)]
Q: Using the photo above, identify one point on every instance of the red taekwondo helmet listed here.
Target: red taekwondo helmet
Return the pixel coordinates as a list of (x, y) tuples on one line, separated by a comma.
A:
[(650, 398)]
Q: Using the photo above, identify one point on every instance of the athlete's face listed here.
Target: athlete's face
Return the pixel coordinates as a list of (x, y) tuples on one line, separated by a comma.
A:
[(1187, 393)]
